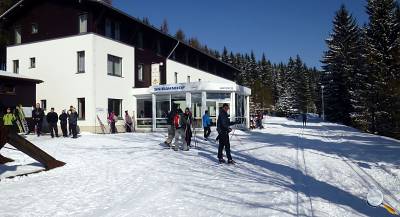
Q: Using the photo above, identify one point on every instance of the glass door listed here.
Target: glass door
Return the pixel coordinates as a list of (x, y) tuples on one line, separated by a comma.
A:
[(212, 111)]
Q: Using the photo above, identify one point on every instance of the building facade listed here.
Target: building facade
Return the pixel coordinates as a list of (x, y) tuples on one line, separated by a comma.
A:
[(99, 59)]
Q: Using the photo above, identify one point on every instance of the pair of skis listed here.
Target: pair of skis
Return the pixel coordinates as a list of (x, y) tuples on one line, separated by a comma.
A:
[(21, 121)]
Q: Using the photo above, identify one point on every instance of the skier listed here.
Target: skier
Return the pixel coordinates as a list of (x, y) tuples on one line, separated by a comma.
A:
[(73, 122), (188, 126), (259, 120), (171, 127), (179, 123), (128, 122), (63, 121), (38, 115), (304, 116), (223, 129), (52, 119), (112, 119), (9, 119), (206, 125)]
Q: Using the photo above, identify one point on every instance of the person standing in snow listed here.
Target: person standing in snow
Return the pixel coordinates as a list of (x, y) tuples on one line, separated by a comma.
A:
[(188, 126), (179, 123), (69, 126), (112, 119), (73, 122), (304, 117), (223, 128), (128, 122), (63, 121), (52, 119), (38, 115), (171, 127), (206, 125), (8, 121)]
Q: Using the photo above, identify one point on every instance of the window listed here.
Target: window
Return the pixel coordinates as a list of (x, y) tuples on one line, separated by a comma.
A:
[(108, 28), (140, 40), (140, 72), (188, 79), (114, 66), (16, 66), (81, 61), (117, 31), (81, 108), (158, 46), (115, 105), (34, 28), (222, 96), (176, 77), (17, 35), (83, 23), (43, 104), (33, 62), (7, 89)]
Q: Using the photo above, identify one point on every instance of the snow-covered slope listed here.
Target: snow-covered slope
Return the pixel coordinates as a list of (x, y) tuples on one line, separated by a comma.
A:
[(283, 170)]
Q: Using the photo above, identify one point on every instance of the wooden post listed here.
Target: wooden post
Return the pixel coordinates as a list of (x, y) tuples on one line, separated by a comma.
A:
[(28, 148)]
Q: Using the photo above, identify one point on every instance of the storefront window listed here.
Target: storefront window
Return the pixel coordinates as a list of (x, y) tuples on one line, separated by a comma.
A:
[(144, 113), (212, 110), (179, 101), (218, 96), (196, 110), (240, 114), (162, 109)]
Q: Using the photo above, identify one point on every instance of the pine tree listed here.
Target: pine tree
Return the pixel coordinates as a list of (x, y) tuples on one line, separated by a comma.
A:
[(300, 85), (381, 39), (146, 21), (286, 103), (194, 42), (225, 55), (180, 35), (164, 27), (340, 63)]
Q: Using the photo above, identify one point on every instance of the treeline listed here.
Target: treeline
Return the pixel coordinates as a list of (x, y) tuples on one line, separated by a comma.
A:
[(362, 69), (286, 88)]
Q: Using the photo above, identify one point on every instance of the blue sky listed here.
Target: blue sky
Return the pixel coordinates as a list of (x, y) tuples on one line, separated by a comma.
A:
[(280, 28)]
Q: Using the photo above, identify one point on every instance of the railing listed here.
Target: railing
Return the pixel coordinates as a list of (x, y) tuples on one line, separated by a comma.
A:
[(144, 123), (161, 123), (241, 122)]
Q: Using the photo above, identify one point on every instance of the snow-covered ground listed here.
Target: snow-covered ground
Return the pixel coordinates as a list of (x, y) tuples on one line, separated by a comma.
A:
[(283, 170)]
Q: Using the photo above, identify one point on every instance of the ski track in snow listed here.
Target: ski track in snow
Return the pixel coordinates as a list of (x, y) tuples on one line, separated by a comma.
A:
[(283, 170)]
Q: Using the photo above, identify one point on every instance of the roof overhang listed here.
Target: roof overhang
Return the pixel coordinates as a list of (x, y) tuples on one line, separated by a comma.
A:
[(216, 87), (13, 76)]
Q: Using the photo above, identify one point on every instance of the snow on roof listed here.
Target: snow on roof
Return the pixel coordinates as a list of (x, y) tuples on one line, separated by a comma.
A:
[(18, 76)]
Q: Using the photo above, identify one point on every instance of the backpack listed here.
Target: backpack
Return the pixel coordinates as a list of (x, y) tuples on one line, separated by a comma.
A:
[(178, 121)]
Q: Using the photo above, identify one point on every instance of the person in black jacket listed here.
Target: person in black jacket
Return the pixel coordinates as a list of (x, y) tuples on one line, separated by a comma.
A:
[(73, 122), (52, 119), (63, 121), (223, 128), (38, 115)]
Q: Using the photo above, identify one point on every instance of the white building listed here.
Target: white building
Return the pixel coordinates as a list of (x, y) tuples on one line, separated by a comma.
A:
[(101, 71)]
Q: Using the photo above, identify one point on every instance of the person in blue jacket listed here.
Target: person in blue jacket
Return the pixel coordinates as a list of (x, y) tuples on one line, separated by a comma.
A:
[(206, 125)]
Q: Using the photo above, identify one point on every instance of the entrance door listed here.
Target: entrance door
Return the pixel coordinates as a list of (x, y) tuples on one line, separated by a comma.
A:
[(219, 106)]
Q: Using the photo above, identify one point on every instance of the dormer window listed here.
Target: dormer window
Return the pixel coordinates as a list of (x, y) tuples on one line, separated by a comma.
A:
[(17, 35), (108, 28), (83, 23), (34, 28)]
